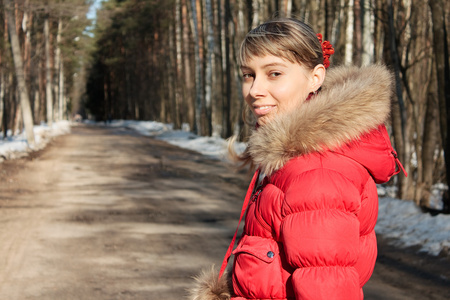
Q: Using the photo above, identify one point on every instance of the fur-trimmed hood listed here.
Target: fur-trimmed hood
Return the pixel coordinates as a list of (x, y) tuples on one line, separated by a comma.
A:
[(352, 102)]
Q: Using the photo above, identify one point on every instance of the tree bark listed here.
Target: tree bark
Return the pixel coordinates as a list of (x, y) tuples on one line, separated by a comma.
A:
[(441, 55), (2, 96), (429, 145), (27, 17), (400, 124), (58, 66), (238, 105), (210, 70), (336, 29), (288, 8), (368, 33), (17, 127), (349, 34), (20, 76), (357, 52), (198, 72), (48, 73), (256, 4), (171, 82), (62, 98), (228, 122), (179, 64), (39, 100), (188, 92)]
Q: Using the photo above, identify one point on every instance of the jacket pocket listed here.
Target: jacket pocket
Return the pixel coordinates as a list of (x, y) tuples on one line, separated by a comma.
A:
[(257, 268)]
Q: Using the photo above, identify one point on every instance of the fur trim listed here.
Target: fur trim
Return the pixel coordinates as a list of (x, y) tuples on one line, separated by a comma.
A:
[(210, 287), (352, 102)]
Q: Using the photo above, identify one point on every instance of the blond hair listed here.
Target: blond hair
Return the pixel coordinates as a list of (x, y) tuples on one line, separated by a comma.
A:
[(287, 38)]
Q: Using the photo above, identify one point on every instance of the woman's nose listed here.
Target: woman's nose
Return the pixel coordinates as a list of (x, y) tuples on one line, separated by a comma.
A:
[(257, 89)]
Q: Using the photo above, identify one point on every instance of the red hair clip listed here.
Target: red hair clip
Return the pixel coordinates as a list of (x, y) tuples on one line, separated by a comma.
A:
[(327, 50)]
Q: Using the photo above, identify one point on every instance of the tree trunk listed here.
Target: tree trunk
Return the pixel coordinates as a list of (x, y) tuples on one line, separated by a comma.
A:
[(48, 74), (429, 145), (367, 34), (20, 76), (38, 98), (37, 106), (58, 66), (218, 75), (62, 98), (238, 106), (441, 54), (26, 27), (130, 110), (349, 34), (287, 7), (211, 114), (179, 63), (17, 127), (400, 114), (300, 9), (198, 72), (256, 4), (2, 101), (357, 52), (172, 83), (339, 19), (188, 92), (228, 122)]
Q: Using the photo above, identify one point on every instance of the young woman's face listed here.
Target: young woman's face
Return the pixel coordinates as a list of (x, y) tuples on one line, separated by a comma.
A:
[(274, 86)]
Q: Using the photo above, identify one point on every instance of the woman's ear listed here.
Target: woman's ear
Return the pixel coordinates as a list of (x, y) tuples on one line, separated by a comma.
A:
[(318, 76)]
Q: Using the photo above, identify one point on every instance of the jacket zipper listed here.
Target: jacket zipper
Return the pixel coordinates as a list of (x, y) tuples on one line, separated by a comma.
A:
[(258, 216), (256, 193)]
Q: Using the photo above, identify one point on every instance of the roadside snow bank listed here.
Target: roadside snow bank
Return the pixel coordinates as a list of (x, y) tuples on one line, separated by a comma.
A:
[(409, 226), (16, 146), (213, 147), (147, 128)]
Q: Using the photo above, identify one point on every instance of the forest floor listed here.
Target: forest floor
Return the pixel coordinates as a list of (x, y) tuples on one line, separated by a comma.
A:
[(105, 213)]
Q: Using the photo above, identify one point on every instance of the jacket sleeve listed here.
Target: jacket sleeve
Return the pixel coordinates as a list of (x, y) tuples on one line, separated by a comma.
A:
[(320, 234)]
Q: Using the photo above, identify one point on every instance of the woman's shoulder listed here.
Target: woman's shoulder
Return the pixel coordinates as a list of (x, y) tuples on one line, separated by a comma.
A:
[(318, 182), (327, 165)]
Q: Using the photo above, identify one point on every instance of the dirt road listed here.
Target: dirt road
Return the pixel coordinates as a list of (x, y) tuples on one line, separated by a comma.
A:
[(107, 214)]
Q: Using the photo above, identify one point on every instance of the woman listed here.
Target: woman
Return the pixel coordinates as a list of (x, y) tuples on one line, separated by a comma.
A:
[(319, 148)]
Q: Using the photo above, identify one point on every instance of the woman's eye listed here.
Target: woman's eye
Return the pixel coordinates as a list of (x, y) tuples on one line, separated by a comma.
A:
[(247, 75), (274, 74)]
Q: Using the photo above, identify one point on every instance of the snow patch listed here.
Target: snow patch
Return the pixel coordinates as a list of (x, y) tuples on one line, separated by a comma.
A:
[(15, 146)]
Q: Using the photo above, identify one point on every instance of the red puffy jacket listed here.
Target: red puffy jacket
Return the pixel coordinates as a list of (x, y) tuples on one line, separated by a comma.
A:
[(309, 227)]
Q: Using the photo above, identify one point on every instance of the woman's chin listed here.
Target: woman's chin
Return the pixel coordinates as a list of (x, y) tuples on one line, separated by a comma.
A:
[(263, 120)]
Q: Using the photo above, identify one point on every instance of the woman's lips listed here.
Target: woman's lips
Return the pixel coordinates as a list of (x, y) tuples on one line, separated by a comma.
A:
[(263, 109)]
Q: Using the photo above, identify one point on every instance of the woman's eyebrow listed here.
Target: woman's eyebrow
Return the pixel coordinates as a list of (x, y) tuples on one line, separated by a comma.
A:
[(274, 64)]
